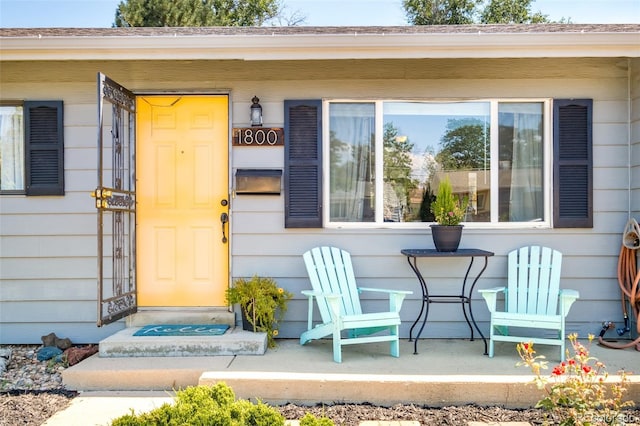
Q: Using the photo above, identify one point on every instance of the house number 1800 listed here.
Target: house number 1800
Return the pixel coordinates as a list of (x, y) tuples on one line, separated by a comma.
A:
[(258, 136)]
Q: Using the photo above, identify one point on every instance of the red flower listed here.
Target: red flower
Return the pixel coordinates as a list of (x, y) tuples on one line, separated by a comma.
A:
[(558, 370), (586, 368)]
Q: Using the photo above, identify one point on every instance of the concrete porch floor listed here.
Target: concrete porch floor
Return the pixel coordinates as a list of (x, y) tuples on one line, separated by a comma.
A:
[(445, 372)]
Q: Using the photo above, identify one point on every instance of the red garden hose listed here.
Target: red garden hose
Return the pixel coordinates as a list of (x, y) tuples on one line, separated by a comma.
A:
[(628, 278)]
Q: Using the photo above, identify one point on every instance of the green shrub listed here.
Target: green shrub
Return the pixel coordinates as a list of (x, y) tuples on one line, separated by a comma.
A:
[(206, 405), (214, 396), (263, 415), (311, 420)]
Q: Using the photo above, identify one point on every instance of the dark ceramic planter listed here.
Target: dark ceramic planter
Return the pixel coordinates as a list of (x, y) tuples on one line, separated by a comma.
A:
[(246, 325), (446, 238)]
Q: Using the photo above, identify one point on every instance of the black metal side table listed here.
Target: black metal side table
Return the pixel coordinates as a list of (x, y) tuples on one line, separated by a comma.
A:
[(464, 297)]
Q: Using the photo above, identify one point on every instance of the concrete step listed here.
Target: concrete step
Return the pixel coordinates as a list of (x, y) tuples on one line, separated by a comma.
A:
[(233, 342), (127, 362), (379, 389), (181, 316), (280, 387), (444, 372), (139, 373)]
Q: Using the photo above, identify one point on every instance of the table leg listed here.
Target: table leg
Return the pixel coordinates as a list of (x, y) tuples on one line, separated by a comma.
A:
[(417, 319), (425, 304), (468, 300)]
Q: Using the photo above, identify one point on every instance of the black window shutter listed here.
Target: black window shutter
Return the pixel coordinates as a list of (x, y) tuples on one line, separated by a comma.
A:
[(573, 163), (303, 164), (44, 147)]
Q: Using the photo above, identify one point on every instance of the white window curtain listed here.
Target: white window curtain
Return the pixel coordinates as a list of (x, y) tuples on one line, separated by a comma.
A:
[(11, 148), (526, 199), (352, 129)]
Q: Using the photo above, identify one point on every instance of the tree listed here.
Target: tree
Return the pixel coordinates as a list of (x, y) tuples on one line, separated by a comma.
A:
[(440, 12), (194, 13), (425, 213), (338, 158), (397, 156), (511, 12), (397, 167), (287, 18), (465, 145), (451, 12)]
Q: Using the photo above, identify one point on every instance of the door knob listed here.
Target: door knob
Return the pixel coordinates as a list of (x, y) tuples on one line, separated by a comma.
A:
[(224, 218)]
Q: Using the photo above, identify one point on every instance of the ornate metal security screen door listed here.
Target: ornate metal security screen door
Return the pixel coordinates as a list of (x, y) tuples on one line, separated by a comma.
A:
[(115, 200)]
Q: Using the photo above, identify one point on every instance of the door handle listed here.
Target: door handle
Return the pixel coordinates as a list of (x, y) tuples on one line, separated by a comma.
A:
[(224, 218)]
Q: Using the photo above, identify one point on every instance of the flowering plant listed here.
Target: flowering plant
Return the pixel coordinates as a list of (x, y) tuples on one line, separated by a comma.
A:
[(447, 208), (263, 303), (577, 394)]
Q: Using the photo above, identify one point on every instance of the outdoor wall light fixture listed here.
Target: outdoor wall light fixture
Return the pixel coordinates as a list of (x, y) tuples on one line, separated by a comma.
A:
[(256, 112)]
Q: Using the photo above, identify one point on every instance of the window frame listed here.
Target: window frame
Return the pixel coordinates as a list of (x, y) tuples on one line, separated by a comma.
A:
[(43, 142), (547, 167)]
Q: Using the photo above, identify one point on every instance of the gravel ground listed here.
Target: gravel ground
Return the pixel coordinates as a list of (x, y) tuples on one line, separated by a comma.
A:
[(31, 391)]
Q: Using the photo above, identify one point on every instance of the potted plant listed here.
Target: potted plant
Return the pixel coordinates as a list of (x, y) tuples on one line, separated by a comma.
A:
[(448, 211), (262, 304)]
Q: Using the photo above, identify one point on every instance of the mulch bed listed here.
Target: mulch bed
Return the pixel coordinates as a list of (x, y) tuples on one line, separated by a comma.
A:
[(31, 407)]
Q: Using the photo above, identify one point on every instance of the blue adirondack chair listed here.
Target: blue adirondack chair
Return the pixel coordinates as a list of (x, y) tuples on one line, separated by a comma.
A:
[(338, 299), (532, 299)]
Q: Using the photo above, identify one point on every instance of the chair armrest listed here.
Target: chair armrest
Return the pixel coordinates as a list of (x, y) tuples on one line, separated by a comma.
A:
[(567, 297), (333, 300), (569, 294), (311, 294), (493, 290), (491, 296), (384, 290), (396, 297)]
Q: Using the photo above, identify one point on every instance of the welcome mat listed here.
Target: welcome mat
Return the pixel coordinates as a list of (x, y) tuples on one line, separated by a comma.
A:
[(182, 330)]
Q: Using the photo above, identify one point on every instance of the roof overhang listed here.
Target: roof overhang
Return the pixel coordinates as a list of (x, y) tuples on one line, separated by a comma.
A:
[(111, 44)]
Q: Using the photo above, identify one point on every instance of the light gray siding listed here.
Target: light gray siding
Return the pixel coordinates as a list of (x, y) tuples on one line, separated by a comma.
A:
[(48, 245), (634, 148), (634, 140)]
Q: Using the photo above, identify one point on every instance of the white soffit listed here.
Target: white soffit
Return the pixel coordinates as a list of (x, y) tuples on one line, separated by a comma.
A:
[(321, 46)]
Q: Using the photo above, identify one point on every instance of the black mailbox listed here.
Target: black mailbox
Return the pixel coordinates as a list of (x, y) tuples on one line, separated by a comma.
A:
[(258, 181)]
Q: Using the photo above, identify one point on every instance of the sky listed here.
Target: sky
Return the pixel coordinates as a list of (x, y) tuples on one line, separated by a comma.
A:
[(100, 13)]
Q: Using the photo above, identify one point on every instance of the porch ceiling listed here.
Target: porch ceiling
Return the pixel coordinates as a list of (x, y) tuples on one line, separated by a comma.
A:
[(347, 69)]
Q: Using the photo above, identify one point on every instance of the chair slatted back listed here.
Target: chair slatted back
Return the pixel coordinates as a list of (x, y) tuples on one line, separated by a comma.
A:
[(534, 280), (330, 271)]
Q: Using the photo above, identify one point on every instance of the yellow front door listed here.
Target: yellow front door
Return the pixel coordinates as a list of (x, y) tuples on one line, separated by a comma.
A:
[(182, 191)]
